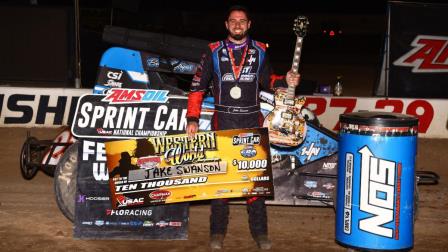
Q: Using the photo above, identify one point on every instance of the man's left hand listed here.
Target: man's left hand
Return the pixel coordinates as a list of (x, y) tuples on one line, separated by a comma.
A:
[(292, 79)]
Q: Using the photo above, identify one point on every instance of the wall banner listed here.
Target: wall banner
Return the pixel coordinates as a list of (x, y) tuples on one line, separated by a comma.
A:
[(176, 168), (96, 219), (130, 113), (418, 64)]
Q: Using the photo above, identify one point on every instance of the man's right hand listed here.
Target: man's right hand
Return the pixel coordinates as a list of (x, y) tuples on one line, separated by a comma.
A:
[(192, 128)]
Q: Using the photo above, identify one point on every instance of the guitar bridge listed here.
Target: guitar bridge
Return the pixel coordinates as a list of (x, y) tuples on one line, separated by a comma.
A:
[(287, 115)]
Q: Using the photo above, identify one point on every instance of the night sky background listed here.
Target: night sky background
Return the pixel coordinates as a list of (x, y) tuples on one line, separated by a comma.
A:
[(355, 51)]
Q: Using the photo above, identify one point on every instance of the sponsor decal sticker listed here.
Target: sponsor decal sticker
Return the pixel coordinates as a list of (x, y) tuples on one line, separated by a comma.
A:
[(159, 194)]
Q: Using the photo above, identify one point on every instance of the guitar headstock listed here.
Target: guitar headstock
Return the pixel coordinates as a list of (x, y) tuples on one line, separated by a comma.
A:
[(301, 24)]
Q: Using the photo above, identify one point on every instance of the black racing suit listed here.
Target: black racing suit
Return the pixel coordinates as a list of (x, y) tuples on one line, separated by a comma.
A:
[(234, 109)]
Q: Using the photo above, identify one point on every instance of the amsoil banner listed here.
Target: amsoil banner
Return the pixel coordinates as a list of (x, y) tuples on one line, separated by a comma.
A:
[(418, 50), (130, 113), (96, 219), (176, 168)]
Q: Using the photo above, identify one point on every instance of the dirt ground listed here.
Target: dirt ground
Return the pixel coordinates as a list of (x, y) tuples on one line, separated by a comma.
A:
[(31, 221)]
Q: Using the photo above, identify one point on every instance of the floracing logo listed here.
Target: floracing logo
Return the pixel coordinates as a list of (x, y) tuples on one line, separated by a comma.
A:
[(123, 95), (377, 194), (129, 212), (429, 55)]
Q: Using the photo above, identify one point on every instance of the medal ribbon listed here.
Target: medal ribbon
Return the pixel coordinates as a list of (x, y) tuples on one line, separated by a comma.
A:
[(237, 69)]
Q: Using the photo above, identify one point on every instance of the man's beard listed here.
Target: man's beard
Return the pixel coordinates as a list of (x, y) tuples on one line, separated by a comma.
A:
[(238, 36)]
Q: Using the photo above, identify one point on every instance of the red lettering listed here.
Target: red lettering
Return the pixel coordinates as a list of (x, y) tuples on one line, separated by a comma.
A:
[(114, 95), (139, 94), (348, 103), (396, 104), (428, 53), (320, 103), (443, 57), (425, 117), (126, 95)]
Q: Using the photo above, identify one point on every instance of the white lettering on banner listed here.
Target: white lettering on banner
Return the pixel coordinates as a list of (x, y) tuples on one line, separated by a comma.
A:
[(84, 120), (174, 122), (95, 152), (141, 186), (126, 119), (376, 193), (100, 172)]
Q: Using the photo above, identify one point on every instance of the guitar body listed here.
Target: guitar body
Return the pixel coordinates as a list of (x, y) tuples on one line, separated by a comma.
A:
[(287, 127)]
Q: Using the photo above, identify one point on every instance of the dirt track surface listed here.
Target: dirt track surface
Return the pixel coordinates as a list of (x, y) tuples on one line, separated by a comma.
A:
[(31, 221)]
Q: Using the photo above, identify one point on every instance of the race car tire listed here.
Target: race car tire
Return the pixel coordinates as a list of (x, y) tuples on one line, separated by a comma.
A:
[(27, 169), (65, 181)]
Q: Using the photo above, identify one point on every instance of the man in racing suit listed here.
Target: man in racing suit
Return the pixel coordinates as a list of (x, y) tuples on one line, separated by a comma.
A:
[(238, 68)]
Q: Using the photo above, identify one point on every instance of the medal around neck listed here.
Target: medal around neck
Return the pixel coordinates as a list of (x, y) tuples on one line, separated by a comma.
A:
[(235, 92)]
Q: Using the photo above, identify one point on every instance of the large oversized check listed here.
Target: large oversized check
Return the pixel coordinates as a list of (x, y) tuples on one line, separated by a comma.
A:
[(176, 168)]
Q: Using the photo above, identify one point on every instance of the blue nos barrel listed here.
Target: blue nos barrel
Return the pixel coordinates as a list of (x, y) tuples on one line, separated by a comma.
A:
[(375, 193)]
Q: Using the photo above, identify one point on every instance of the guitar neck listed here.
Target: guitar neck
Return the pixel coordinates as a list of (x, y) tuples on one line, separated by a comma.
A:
[(295, 64)]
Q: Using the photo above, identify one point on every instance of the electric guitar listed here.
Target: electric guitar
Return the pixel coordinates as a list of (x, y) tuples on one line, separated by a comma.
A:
[(286, 125)]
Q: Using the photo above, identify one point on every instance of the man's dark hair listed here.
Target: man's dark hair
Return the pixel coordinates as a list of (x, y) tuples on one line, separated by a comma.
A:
[(237, 8)]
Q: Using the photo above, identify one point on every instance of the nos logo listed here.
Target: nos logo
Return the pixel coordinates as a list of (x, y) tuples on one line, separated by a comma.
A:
[(377, 193)]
